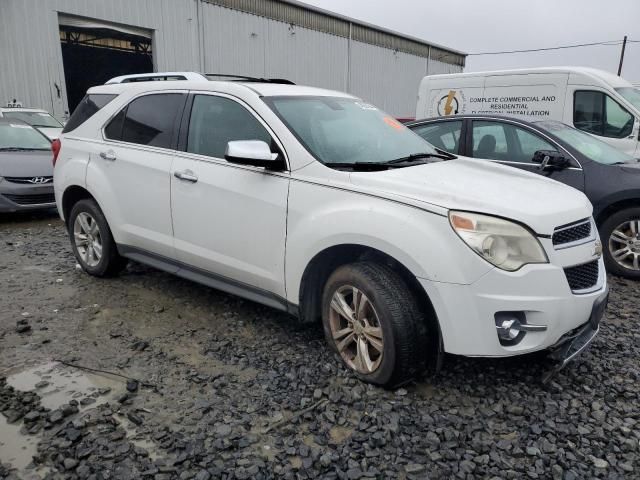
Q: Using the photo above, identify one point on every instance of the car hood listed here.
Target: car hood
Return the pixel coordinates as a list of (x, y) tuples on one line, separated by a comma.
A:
[(36, 163), (50, 132), (484, 187)]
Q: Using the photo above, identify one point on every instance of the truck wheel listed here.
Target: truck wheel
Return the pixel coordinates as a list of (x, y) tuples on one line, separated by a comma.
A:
[(620, 234), (372, 320), (92, 242)]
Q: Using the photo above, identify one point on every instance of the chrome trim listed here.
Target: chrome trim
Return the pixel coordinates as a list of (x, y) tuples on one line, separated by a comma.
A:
[(515, 121), (591, 238)]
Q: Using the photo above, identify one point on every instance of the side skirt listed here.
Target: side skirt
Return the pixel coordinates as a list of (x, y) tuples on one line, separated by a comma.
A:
[(209, 279)]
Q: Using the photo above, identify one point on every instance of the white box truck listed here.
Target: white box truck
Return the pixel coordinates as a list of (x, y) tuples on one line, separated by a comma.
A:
[(591, 100)]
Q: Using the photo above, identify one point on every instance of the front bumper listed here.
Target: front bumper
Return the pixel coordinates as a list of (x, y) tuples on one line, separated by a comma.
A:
[(466, 313), (18, 197)]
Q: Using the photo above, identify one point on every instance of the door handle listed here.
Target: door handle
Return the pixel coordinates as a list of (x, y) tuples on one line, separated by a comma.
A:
[(186, 175), (110, 156)]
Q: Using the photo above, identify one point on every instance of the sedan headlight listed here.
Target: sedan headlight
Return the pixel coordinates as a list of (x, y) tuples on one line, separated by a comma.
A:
[(505, 244)]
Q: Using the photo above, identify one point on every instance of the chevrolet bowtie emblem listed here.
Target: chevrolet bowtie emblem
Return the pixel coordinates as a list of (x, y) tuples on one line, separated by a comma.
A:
[(597, 249)]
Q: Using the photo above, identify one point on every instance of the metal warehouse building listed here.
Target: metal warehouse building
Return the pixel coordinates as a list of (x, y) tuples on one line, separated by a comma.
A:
[(51, 51)]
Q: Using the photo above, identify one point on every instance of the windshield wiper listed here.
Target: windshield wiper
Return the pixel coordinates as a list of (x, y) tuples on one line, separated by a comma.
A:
[(361, 166), (415, 157)]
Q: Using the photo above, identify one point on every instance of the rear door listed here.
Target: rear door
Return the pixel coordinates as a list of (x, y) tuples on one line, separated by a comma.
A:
[(514, 144), (229, 220), (131, 170)]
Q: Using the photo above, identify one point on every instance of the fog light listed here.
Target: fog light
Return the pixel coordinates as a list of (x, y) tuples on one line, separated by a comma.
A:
[(511, 327), (506, 330)]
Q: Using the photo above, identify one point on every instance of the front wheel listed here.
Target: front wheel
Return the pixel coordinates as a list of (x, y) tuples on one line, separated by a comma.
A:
[(620, 234), (372, 320)]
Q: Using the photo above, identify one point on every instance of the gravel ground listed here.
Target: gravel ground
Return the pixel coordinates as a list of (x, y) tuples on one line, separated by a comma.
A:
[(229, 389)]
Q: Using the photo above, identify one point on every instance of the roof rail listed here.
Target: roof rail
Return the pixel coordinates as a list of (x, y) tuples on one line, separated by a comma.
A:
[(157, 76), (243, 78)]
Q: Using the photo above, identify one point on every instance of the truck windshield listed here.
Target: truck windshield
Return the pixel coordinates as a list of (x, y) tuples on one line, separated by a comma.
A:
[(36, 119), (631, 95), (15, 136), (347, 131), (590, 147)]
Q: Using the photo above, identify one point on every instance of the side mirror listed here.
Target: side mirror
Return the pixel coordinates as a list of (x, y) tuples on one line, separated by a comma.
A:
[(251, 152), (550, 160)]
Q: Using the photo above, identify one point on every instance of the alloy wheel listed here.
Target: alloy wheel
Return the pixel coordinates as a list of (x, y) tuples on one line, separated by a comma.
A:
[(356, 330), (624, 244), (86, 234)]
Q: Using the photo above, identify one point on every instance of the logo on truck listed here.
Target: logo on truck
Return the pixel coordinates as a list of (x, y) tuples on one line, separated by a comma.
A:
[(450, 104)]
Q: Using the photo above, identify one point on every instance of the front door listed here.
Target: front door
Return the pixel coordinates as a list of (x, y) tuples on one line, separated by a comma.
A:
[(229, 220), (514, 145), (596, 112)]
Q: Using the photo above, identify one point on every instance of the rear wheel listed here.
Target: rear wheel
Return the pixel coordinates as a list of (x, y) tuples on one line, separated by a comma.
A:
[(620, 234), (372, 320), (92, 242)]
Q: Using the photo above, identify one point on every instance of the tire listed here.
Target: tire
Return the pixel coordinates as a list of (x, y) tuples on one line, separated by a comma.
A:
[(109, 263), (623, 221), (393, 312)]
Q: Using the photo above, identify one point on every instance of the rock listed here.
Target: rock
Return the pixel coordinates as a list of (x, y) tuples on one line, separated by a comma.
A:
[(202, 475), (599, 462), (135, 418), (70, 463), (23, 328), (42, 384), (132, 386)]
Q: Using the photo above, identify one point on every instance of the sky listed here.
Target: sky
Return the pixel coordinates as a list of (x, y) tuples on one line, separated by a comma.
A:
[(498, 25)]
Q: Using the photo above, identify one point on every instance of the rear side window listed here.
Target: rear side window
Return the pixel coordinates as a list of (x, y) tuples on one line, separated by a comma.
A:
[(149, 120), (86, 109), (443, 135)]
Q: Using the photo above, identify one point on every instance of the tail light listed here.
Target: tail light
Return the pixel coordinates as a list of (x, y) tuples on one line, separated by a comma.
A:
[(55, 148)]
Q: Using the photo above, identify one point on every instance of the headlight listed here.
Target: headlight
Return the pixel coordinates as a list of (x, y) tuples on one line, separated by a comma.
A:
[(500, 242)]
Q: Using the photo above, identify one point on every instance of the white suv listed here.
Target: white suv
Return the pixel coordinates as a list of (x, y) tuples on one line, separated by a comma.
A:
[(319, 204)]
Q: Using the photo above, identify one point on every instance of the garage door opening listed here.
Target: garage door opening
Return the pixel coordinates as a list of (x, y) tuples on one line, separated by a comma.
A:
[(94, 52)]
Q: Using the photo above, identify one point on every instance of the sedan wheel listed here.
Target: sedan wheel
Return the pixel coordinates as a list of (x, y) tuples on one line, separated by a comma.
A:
[(86, 234), (624, 244), (355, 328)]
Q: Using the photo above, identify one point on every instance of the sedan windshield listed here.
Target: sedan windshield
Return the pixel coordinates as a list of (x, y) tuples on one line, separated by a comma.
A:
[(631, 95), (590, 147), (14, 136), (35, 119), (345, 131)]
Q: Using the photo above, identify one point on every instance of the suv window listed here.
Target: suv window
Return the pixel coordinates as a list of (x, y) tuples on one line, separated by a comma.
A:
[(443, 135), (215, 121), (504, 141), (148, 120), (87, 108), (597, 113)]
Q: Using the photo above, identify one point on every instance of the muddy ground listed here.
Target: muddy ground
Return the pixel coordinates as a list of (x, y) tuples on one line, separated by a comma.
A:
[(229, 389)]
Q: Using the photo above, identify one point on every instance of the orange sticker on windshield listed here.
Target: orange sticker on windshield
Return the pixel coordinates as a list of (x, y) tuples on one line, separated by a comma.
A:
[(392, 122)]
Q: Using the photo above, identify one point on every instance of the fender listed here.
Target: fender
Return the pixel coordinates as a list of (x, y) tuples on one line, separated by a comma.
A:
[(410, 235)]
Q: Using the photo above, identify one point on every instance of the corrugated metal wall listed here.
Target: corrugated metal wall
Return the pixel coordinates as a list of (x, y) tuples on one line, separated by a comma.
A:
[(205, 36)]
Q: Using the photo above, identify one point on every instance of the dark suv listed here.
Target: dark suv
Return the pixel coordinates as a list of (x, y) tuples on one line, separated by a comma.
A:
[(609, 177)]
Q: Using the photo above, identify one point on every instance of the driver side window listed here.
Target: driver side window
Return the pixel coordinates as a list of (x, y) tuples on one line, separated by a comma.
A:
[(597, 113), (215, 121)]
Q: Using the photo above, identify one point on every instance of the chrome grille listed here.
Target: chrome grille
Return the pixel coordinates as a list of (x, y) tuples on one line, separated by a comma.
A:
[(572, 233), (31, 180), (582, 277)]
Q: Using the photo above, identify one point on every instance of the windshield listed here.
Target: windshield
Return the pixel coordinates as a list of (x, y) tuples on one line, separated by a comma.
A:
[(35, 119), (21, 137), (631, 95), (338, 130), (590, 147)]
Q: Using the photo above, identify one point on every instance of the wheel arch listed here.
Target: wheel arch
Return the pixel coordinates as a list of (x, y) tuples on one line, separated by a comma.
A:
[(72, 195), (325, 262), (616, 206)]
